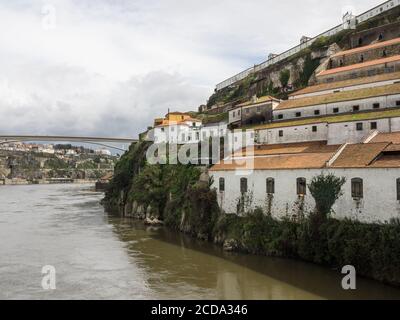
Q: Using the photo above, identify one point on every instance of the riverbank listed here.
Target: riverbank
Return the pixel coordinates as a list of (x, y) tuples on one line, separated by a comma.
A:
[(104, 256), (181, 197), (16, 181)]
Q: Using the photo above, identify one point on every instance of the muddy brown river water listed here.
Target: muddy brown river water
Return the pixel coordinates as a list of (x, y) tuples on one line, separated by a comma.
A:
[(100, 256)]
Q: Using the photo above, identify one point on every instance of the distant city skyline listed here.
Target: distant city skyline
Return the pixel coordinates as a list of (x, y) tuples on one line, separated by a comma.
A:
[(108, 68)]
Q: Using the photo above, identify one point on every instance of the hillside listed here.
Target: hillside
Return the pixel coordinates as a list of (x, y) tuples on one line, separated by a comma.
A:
[(297, 71)]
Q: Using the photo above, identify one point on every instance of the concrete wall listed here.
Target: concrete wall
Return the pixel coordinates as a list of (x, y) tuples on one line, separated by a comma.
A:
[(350, 59), (378, 204), (294, 134), (361, 86), (214, 130), (359, 73), (334, 133), (344, 107)]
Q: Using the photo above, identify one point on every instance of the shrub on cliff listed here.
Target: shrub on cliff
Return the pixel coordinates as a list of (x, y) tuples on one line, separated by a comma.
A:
[(326, 189)]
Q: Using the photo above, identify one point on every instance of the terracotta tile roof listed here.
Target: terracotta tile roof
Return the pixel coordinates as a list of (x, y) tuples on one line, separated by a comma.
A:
[(278, 162), (359, 65), (359, 155), (367, 48), (340, 96), (387, 161), (258, 101), (393, 137), (347, 83), (362, 116), (302, 155), (392, 148), (291, 148)]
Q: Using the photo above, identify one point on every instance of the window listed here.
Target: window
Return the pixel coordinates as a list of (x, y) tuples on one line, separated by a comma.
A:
[(162, 129), (298, 114), (398, 103), (376, 105), (280, 116), (301, 186), (270, 185), (314, 129), (193, 124), (247, 110), (374, 125), (197, 135), (239, 113), (359, 126), (243, 185), (317, 112), (281, 133), (398, 189), (221, 184), (258, 109), (356, 108), (234, 114), (357, 188), (335, 110)]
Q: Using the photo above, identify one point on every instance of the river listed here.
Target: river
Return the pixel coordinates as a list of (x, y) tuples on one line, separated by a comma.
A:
[(99, 256)]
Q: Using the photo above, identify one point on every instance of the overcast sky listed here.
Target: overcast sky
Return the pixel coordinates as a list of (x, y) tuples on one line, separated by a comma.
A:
[(107, 68)]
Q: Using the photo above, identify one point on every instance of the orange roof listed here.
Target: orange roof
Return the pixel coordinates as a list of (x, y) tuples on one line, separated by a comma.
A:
[(347, 83), (393, 137), (387, 161), (340, 96), (276, 162), (306, 155), (359, 65), (290, 148), (259, 100), (367, 48), (167, 123), (359, 155)]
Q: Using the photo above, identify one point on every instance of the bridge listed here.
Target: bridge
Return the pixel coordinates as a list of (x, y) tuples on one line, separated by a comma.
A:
[(101, 141)]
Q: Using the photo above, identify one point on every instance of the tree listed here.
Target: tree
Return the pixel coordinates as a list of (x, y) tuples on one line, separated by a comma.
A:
[(326, 189), (284, 77)]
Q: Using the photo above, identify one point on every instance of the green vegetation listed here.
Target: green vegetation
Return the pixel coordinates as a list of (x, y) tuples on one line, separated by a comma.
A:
[(284, 77), (374, 249), (326, 189), (175, 194), (56, 163), (310, 65)]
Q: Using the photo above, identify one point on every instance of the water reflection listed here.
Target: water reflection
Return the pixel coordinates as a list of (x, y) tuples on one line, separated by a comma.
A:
[(190, 267), (100, 256)]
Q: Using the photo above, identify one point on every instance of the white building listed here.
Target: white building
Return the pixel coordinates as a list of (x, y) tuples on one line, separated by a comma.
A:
[(350, 128), (177, 128), (103, 151), (281, 173)]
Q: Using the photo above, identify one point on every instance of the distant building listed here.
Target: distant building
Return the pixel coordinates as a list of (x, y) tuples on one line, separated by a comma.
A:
[(177, 127), (103, 152), (255, 111)]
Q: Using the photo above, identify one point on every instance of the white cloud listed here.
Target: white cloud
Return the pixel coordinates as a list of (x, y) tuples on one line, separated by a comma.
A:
[(110, 67)]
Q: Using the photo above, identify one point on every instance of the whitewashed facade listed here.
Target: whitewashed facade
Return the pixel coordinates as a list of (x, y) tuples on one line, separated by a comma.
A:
[(379, 202)]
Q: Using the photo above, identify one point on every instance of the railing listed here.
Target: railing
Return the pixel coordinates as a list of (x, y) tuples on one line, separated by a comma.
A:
[(361, 18)]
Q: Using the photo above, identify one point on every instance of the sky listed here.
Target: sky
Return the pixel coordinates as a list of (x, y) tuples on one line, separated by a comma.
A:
[(109, 67)]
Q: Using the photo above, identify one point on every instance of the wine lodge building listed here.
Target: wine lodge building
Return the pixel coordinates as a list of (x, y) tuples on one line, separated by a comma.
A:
[(347, 124)]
